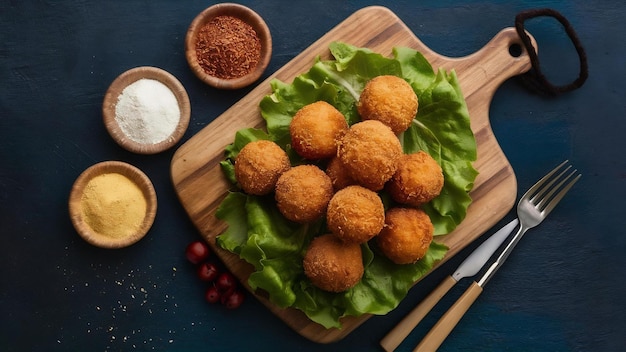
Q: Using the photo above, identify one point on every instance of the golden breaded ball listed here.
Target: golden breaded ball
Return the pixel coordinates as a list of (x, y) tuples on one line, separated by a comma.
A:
[(418, 180), (355, 214), (406, 236), (390, 100), (333, 265), (303, 192), (370, 151), (315, 130), (338, 174), (258, 166)]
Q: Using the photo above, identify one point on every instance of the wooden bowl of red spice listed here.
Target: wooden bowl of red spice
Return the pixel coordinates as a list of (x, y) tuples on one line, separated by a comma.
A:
[(112, 204), (228, 46), (146, 110)]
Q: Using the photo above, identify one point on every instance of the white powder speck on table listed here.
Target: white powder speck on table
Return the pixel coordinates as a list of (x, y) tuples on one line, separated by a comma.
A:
[(147, 111)]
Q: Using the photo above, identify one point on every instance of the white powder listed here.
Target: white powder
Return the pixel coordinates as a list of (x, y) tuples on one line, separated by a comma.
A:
[(147, 111)]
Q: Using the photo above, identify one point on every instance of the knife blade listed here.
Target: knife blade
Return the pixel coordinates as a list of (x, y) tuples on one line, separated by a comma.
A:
[(475, 261), (469, 267)]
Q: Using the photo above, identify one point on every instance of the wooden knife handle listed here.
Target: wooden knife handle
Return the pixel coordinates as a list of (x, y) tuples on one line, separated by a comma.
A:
[(395, 337), (444, 326)]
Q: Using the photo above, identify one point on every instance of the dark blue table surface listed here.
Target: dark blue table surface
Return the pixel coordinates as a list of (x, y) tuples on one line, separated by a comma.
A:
[(562, 289)]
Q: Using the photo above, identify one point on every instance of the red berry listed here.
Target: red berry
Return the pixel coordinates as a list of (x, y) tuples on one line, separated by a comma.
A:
[(226, 281), (232, 299), (197, 252), (212, 295), (208, 272), (225, 294)]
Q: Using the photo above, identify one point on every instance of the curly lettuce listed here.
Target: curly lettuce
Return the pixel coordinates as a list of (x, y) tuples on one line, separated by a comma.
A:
[(260, 235)]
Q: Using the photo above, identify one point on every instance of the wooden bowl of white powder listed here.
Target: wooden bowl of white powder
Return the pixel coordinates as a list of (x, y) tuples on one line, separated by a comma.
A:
[(146, 110)]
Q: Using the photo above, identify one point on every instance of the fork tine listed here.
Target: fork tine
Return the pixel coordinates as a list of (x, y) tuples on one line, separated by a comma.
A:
[(541, 194), (532, 191), (560, 195), (540, 205)]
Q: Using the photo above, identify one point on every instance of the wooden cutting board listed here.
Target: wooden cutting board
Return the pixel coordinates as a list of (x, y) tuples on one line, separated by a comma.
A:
[(201, 187)]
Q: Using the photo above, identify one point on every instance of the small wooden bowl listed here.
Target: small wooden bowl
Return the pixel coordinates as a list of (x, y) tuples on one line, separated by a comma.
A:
[(248, 16), (132, 173), (123, 81)]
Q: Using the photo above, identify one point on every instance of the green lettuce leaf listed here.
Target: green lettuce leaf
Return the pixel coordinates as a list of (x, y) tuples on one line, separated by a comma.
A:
[(259, 234)]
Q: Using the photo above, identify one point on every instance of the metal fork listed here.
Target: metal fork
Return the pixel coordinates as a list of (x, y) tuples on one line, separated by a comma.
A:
[(533, 207)]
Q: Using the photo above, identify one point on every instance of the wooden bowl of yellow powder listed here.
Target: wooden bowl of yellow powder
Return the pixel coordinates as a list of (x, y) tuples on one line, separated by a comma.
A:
[(112, 204), (146, 110)]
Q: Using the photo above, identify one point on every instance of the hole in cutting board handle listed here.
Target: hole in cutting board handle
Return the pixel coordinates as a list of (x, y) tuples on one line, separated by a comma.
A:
[(515, 50)]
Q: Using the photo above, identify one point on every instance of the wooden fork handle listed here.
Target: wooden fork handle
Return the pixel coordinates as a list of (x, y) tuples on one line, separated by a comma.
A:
[(448, 321), (395, 337)]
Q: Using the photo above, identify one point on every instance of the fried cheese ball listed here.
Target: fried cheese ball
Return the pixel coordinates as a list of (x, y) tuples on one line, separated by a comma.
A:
[(338, 174), (418, 180), (355, 214), (258, 166), (302, 193), (370, 152), (333, 265), (406, 236), (390, 100), (315, 130)]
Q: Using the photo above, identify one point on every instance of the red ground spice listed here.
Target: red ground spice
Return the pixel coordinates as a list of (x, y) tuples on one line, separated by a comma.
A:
[(228, 48)]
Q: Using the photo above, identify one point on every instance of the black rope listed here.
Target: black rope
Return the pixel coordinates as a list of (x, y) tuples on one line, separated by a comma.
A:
[(535, 78)]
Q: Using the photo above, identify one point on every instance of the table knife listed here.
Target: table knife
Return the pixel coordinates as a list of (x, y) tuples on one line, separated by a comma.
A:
[(469, 267)]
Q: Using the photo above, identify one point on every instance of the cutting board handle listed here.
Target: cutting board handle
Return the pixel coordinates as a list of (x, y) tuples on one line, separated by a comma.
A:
[(503, 57)]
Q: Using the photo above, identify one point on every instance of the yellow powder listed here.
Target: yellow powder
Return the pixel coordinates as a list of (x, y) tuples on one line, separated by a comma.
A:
[(113, 205)]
